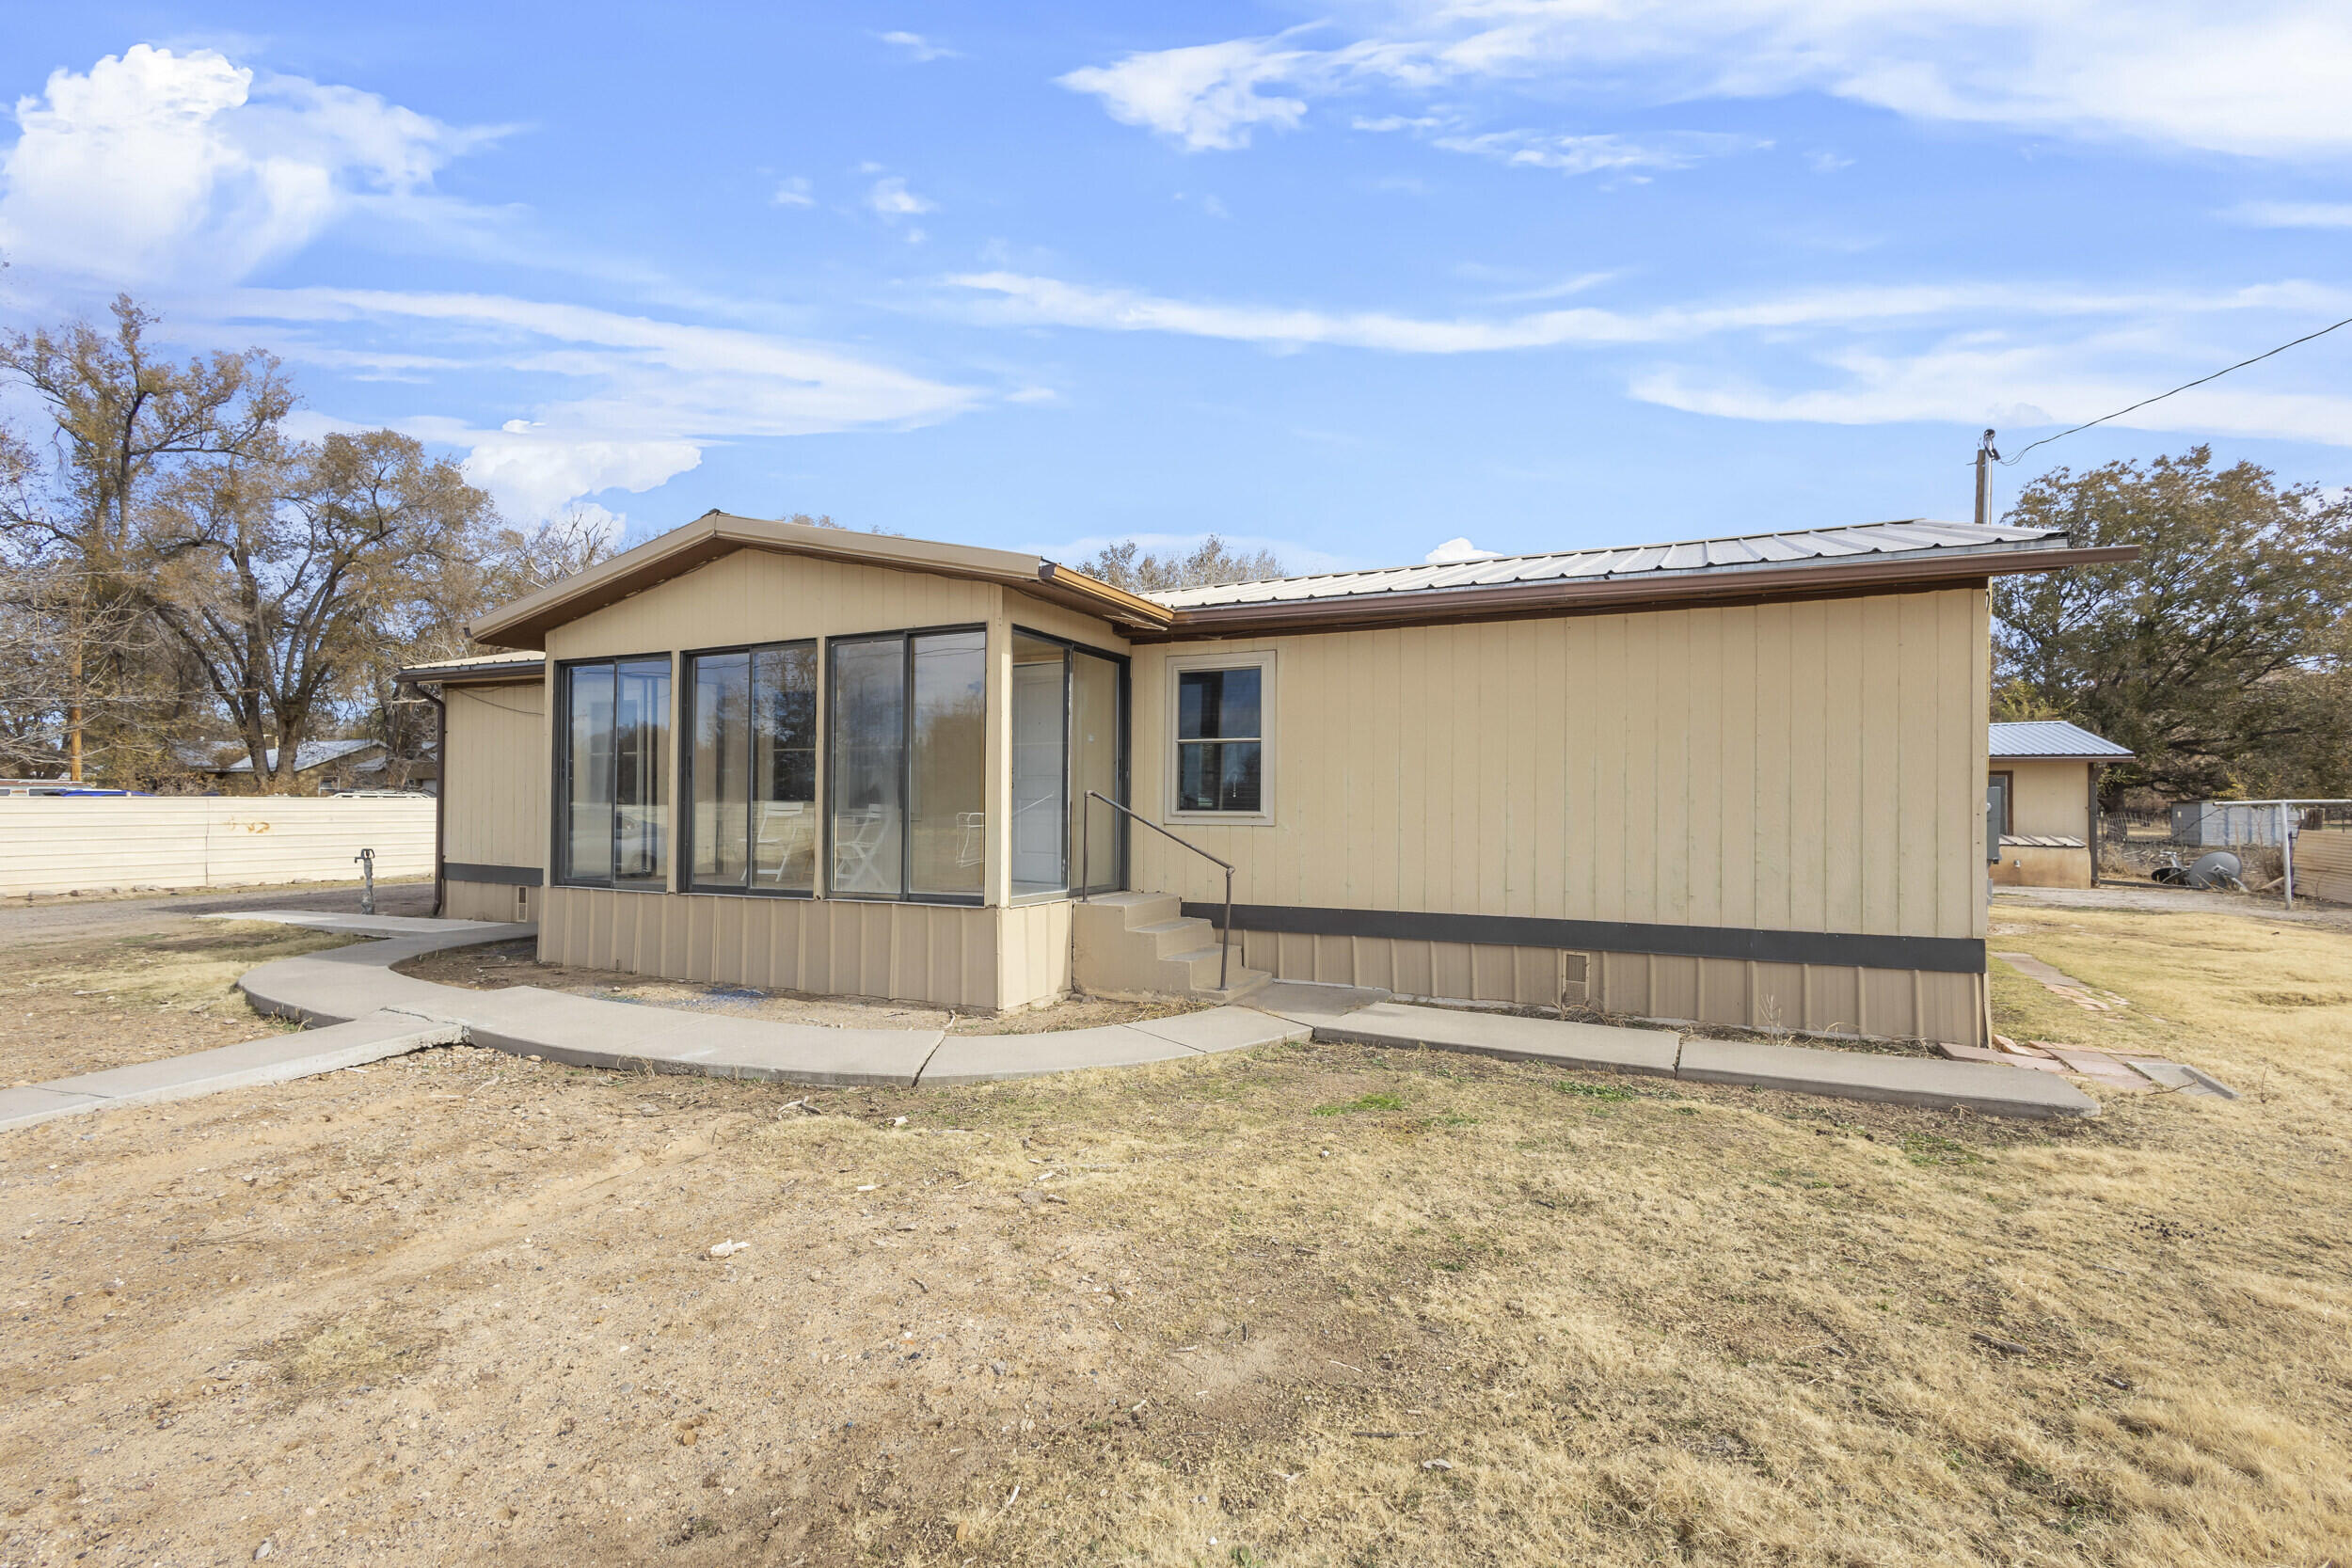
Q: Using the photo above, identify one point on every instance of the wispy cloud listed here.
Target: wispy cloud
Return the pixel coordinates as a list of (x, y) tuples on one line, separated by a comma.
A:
[(2039, 384), (2293, 215), (916, 47), (890, 197), (2263, 77), (615, 401), (1017, 297), (794, 192), (1599, 153)]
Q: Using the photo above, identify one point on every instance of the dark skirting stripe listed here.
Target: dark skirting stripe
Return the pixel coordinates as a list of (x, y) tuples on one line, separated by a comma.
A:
[(1942, 955), (504, 876)]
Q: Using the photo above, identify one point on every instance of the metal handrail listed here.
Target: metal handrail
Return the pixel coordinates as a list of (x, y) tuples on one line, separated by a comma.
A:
[(1086, 874)]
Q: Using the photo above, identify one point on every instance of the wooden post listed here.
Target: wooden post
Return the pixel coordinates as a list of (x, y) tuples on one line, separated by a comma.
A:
[(1985, 454)]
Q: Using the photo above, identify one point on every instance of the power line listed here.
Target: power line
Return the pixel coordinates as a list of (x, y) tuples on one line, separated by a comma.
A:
[(2011, 461)]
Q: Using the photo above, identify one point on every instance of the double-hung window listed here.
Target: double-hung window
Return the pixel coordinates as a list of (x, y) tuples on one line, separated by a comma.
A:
[(907, 764), (751, 726), (1220, 740), (614, 803)]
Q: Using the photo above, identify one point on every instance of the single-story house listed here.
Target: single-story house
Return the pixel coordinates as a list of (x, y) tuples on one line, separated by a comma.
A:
[(2041, 798), (1735, 779), (324, 764)]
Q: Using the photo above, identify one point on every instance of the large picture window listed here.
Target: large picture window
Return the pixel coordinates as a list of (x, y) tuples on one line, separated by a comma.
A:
[(1220, 740), (614, 800), (751, 720), (907, 727)]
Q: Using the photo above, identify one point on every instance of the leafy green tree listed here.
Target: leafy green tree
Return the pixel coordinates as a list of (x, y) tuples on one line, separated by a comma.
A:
[(2204, 655)]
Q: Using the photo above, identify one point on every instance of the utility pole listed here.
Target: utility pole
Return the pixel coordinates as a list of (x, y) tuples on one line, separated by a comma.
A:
[(1986, 456)]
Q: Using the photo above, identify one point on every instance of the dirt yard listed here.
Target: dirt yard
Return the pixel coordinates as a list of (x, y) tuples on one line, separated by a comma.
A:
[(1311, 1306)]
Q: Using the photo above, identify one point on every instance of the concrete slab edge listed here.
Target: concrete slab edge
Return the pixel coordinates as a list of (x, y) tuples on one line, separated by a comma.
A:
[(1990, 1101), (1341, 1033)]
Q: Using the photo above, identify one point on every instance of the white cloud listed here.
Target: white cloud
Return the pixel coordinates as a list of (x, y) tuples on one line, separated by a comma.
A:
[(156, 165), (794, 192), (617, 401), (916, 46), (892, 199), (2294, 214), (533, 472), (2261, 77), (1021, 298), (1863, 342), (1454, 552), (1593, 154), (2029, 386), (1206, 96)]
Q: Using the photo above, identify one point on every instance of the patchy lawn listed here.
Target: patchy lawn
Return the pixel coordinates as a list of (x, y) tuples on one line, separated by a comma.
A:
[(1318, 1304), (109, 998)]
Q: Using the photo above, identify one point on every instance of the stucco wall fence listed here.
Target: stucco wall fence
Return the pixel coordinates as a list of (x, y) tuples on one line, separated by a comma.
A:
[(112, 844)]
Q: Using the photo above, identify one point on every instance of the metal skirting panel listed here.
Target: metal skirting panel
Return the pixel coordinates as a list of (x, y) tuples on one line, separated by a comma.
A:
[(1948, 955), (1903, 1004), (475, 900), (950, 956)]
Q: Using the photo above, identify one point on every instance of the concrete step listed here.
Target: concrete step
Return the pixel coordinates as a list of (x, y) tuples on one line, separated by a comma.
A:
[(1171, 937)]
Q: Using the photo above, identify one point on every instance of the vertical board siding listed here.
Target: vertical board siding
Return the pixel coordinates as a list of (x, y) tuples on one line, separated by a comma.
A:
[(947, 956), (495, 776), (1803, 767), (1806, 767)]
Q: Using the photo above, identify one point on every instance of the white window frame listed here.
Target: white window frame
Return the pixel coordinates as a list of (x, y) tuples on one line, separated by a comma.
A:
[(1262, 661)]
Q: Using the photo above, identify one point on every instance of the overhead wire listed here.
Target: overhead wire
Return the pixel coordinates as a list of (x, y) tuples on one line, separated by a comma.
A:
[(2012, 460)]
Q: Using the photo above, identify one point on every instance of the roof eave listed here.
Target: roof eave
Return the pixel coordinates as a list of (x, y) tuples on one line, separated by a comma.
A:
[(487, 673), (1574, 596), (526, 622)]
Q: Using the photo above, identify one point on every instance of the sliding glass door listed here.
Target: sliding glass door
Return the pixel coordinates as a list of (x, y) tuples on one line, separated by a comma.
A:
[(614, 798), (907, 723), (751, 769), (1068, 738)]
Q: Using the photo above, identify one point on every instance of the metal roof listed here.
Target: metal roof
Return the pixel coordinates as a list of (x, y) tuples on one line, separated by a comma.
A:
[(1734, 553), (2050, 738), (483, 668), (309, 754)]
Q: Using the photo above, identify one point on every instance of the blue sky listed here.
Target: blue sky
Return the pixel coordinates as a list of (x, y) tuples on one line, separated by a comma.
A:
[(1349, 281)]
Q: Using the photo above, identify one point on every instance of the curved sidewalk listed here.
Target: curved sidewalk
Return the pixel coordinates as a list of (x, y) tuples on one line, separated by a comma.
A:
[(365, 1011)]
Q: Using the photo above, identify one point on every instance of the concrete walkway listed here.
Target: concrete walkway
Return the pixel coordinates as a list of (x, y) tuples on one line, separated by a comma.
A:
[(365, 1011)]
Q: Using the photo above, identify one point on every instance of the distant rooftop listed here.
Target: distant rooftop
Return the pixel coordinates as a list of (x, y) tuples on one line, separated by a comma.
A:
[(2050, 738), (1829, 546), (309, 754)]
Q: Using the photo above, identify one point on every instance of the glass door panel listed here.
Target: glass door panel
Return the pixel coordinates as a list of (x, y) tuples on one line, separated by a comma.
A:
[(1095, 728), (1040, 773)]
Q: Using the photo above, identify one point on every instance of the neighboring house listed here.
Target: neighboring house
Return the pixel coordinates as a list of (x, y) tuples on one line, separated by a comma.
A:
[(321, 766), (2041, 799), (1736, 779)]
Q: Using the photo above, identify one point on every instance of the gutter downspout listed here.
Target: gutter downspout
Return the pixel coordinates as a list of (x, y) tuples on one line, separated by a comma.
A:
[(2096, 768), (440, 793)]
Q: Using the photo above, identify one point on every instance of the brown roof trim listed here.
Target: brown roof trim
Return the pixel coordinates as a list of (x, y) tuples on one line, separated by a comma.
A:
[(1882, 573), (526, 623)]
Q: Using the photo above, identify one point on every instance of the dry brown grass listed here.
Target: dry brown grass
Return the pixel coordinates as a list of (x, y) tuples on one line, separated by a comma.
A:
[(466, 1306), (106, 999)]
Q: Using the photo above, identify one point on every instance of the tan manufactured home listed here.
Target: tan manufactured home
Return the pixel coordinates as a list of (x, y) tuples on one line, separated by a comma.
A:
[(1737, 780)]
